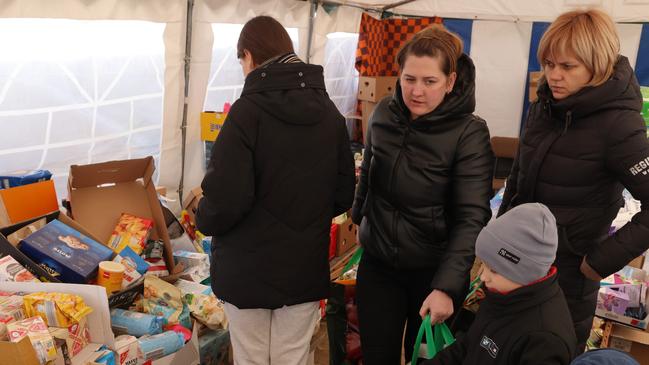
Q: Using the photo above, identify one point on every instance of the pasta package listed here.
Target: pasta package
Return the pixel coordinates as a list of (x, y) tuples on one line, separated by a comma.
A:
[(56, 309), (130, 231)]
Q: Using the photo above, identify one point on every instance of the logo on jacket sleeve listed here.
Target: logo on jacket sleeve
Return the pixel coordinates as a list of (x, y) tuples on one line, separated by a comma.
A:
[(489, 345), (640, 167)]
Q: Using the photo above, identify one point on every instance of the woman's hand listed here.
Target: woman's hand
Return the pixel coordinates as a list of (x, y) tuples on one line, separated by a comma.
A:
[(439, 305), (589, 272)]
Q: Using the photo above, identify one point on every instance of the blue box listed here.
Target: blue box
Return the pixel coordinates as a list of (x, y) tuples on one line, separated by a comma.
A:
[(19, 178), (62, 249)]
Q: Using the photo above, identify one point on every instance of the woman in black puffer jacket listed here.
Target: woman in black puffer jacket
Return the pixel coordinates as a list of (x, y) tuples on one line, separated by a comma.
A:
[(280, 170), (583, 143), (423, 195)]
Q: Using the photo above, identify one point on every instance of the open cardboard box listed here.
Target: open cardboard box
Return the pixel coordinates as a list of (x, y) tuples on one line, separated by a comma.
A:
[(119, 299), (631, 273), (7, 248), (190, 202), (633, 341), (98, 321), (98, 325), (100, 193)]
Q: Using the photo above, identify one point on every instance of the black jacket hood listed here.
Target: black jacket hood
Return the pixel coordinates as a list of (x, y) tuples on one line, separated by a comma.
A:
[(275, 89), (621, 91)]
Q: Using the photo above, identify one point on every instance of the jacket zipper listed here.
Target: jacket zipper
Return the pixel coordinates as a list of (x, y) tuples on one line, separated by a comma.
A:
[(395, 213), (567, 122)]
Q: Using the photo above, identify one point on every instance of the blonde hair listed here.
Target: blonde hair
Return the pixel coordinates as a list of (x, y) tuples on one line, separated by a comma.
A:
[(590, 36), (434, 41)]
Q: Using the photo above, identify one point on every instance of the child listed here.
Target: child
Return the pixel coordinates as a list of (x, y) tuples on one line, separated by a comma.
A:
[(524, 318)]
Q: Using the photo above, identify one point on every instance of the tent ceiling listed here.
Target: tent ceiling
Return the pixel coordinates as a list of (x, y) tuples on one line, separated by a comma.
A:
[(513, 10)]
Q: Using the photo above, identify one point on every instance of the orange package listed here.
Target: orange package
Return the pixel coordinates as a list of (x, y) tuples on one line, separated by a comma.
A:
[(130, 231)]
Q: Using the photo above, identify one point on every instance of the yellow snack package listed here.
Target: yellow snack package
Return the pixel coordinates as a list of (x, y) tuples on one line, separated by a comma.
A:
[(56, 309)]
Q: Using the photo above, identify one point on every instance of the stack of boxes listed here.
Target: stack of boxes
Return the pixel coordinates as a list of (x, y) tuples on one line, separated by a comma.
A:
[(371, 89)]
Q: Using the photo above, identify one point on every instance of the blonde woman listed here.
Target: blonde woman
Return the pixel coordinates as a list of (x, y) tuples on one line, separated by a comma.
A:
[(584, 142)]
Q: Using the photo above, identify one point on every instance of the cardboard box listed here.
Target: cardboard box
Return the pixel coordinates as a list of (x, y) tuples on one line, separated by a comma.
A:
[(25, 202), (190, 202), (211, 123), (346, 237), (375, 88), (98, 321), (366, 110), (41, 273), (631, 273), (66, 251), (633, 341), (18, 353), (120, 299), (100, 193), (638, 262), (535, 77)]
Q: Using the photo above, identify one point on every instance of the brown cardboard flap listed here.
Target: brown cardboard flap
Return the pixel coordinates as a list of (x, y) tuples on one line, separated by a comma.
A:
[(21, 352), (99, 209), (113, 172), (98, 202)]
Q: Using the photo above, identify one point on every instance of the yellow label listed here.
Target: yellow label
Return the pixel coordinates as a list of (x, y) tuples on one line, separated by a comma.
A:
[(211, 123)]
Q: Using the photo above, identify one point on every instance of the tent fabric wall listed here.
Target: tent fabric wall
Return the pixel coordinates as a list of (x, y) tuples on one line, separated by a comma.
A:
[(167, 11), (498, 34), (172, 13), (519, 10), (500, 51)]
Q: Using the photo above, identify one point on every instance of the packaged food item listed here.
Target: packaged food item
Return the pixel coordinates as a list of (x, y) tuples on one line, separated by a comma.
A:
[(162, 299), (23, 177), (11, 270), (3, 326), (134, 266), (135, 323), (153, 250), (157, 267), (127, 349), (77, 336), (160, 345), (133, 259), (191, 287), (20, 234), (56, 309), (196, 265), (65, 252), (39, 336), (11, 308), (110, 276), (207, 309), (102, 356), (130, 231)]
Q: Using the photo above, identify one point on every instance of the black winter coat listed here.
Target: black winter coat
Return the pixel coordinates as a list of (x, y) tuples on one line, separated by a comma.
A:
[(576, 156), (280, 170), (531, 325), (424, 189)]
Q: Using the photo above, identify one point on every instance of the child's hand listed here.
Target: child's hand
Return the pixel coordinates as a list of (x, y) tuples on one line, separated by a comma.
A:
[(439, 305)]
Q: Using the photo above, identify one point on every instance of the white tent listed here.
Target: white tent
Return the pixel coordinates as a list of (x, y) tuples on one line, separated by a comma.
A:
[(90, 81)]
